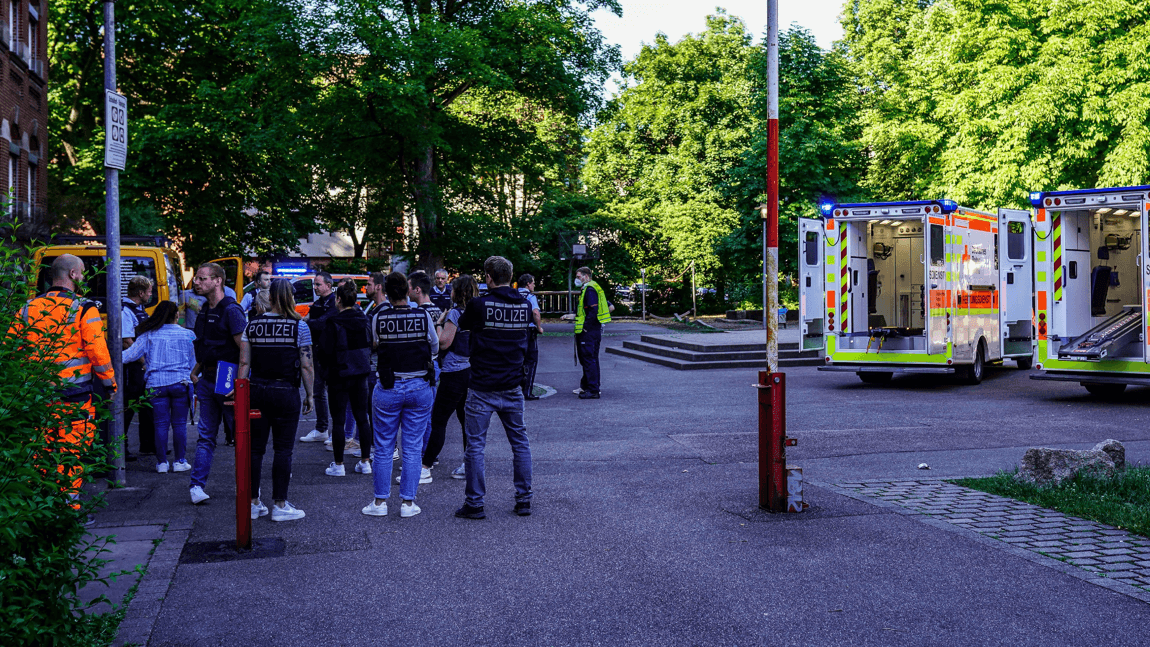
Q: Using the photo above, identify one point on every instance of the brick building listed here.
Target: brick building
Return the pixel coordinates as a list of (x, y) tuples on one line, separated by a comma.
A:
[(24, 104)]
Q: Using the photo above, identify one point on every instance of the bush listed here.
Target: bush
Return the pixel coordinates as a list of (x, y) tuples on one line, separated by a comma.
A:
[(46, 555)]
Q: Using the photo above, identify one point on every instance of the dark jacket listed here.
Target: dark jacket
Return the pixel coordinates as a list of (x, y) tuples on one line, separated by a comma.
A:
[(498, 322)]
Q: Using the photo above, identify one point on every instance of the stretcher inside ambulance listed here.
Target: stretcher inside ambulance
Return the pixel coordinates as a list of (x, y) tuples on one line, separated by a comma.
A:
[(914, 287), (1091, 287)]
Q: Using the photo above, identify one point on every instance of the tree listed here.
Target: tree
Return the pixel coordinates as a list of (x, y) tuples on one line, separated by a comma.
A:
[(215, 91), (820, 156), (664, 147), (435, 87)]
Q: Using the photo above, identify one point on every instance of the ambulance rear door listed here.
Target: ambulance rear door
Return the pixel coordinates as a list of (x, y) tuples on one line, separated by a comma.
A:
[(1016, 272), (812, 294), (1144, 261), (938, 297)]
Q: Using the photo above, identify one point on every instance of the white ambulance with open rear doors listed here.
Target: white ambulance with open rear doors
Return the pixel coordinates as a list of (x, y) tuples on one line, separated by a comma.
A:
[(1093, 287), (916, 287)]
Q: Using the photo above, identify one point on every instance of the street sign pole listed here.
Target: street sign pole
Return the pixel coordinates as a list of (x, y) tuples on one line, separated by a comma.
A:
[(112, 230)]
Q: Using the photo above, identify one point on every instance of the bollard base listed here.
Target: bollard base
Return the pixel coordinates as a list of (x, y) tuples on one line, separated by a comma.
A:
[(211, 552)]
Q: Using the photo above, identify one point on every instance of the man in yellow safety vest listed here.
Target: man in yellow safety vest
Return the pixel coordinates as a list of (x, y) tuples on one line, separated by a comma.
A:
[(593, 312)]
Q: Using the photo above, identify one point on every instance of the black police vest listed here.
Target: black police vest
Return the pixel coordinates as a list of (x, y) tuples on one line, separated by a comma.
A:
[(442, 300), (275, 349), (498, 349), (403, 346), (213, 341), (138, 311), (351, 344)]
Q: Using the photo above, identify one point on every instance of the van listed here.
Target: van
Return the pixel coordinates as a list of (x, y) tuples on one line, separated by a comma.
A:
[(145, 256)]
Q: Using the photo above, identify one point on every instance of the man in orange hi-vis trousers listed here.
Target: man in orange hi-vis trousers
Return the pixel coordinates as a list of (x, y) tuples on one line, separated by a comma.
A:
[(68, 330)]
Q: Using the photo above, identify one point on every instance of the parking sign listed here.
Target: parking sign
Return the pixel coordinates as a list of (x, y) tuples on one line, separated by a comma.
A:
[(115, 129)]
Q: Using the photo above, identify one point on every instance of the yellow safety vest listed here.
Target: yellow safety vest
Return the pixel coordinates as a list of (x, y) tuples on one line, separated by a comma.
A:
[(604, 314)]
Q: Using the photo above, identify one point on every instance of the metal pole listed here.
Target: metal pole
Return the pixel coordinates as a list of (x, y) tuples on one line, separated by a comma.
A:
[(112, 231), (643, 274), (694, 312), (244, 415), (771, 238)]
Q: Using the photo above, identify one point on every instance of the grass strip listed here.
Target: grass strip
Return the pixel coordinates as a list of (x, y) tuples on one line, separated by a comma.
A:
[(1122, 501)]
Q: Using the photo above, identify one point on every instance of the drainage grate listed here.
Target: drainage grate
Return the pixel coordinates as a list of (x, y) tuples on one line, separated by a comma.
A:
[(210, 552)]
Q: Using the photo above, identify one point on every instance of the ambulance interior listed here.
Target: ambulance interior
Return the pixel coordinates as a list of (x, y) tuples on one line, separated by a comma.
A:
[(894, 292), (1102, 294)]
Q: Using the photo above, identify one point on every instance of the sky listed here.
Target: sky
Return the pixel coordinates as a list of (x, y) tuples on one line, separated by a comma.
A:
[(642, 19)]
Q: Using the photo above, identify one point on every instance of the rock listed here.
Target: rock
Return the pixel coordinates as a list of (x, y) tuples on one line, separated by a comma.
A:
[(1046, 466), (1115, 450)]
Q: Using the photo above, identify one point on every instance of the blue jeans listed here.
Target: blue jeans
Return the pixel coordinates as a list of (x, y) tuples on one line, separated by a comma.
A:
[(212, 413), (170, 404), (509, 405), (408, 405)]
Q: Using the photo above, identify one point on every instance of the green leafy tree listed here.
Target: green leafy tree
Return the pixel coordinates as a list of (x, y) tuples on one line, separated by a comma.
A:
[(215, 91), (446, 95), (664, 147), (820, 155)]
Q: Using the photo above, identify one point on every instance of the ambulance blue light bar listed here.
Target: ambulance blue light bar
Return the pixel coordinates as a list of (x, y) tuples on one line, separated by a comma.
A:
[(830, 209), (1037, 197)]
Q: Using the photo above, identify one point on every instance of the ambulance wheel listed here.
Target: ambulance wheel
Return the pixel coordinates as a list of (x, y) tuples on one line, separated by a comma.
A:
[(1104, 390), (973, 373), (870, 377), (1024, 363)]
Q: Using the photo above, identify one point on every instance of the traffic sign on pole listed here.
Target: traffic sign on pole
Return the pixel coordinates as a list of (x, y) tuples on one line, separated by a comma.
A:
[(115, 130)]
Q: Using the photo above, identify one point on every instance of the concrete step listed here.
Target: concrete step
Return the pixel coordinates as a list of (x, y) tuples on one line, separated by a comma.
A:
[(712, 356), (798, 359), (712, 344)]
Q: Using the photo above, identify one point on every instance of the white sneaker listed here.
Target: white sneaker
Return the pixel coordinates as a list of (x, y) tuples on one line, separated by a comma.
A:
[(162, 468), (577, 391), (375, 510), (335, 470), (287, 513), (408, 509), (395, 456), (198, 494), (363, 467), (259, 510), (181, 466), (424, 476), (460, 472), (352, 448), (313, 436)]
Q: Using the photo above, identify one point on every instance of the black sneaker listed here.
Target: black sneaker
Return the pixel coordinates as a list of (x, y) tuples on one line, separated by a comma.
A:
[(587, 395), (471, 512), (523, 508), (530, 397)]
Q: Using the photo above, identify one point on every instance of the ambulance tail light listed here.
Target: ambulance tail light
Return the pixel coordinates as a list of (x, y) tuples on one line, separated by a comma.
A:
[(1038, 366), (949, 361), (827, 359)]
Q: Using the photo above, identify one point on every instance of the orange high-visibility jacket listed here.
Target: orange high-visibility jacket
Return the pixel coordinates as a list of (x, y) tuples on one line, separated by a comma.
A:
[(69, 331)]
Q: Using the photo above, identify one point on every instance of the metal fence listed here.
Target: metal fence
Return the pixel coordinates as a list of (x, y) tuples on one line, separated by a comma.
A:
[(556, 302)]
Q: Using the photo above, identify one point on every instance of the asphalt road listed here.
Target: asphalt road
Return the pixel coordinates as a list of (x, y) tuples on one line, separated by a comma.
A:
[(646, 529)]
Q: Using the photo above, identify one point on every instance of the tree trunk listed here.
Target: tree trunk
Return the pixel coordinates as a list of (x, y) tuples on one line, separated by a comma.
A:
[(425, 188)]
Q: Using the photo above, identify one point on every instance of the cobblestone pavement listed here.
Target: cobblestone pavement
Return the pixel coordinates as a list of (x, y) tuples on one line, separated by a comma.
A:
[(1101, 554)]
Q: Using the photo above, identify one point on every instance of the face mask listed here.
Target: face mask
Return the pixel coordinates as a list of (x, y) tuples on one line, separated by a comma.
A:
[(578, 283)]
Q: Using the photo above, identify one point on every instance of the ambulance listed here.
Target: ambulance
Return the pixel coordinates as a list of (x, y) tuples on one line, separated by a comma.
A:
[(916, 287), (1093, 287)]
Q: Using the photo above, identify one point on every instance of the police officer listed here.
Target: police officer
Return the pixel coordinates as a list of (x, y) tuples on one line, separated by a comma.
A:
[(322, 308), (419, 288), (345, 346), (132, 315), (593, 312), (276, 351), (219, 327), (498, 322), (526, 290), (405, 342), (441, 292), (263, 281)]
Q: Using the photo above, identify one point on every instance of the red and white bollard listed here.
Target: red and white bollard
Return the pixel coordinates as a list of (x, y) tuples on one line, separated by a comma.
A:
[(244, 416), (777, 485)]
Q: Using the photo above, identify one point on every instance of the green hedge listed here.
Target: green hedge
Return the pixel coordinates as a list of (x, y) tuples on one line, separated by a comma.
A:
[(46, 554)]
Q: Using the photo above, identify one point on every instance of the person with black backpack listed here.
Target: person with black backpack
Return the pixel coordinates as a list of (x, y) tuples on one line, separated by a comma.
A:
[(345, 349)]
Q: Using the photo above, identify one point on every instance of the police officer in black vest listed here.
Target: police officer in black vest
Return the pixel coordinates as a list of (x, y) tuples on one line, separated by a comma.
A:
[(276, 352), (322, 308), (498, 322), (345, 347), (219, 326), (441, 292), (406, 343), (132, 315)]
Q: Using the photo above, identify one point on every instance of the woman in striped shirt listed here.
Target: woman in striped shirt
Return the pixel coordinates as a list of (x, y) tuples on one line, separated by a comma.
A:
[(169, 354)]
